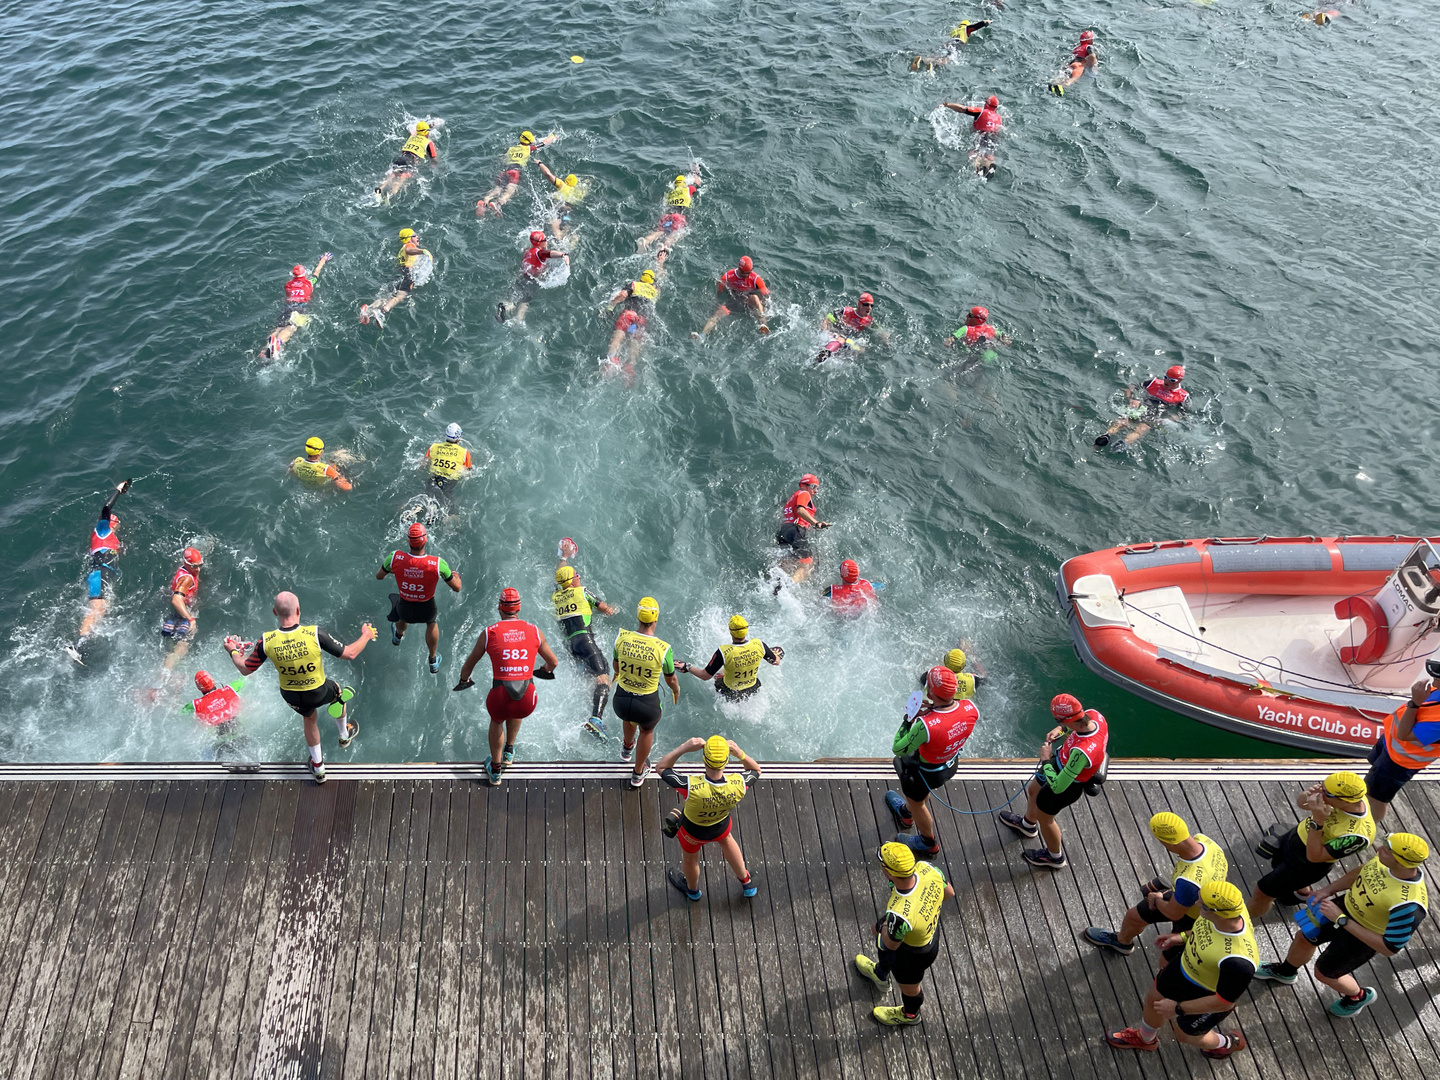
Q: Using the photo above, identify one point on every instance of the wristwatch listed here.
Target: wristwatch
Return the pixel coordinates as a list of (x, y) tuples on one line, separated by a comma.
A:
[(1341, 921)]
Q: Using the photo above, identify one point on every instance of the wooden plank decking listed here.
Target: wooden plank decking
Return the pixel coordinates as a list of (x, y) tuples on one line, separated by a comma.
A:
[(399, 926)]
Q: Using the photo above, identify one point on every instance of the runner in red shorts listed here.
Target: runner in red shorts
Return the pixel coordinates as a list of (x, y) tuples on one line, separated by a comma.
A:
[(512, 645), (704, 818)]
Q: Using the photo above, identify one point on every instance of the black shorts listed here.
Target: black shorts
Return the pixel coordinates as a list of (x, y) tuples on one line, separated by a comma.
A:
[(1048, 802), (306, 702), (640, 709), (796, 538), (1344, 952), (405, 162), (912, 961), (1174, 985), (918, 779), (287, 310), (1385, 779), (525, 289), (405, 284), (1291, 870), (415, 611), (585, 649), (734, 695)]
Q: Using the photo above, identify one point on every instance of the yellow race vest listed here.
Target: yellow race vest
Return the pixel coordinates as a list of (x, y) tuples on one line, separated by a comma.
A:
[(742, 664), (1376, 892), (297, 657), (416, 145), (406, 259), (570, 603), (644, 290), (678, 196), (1206, 947), (1337, 824), (920, 907), (446, 459), (708, 803), (639, 659), (517, 155), (1210, 866), (965, 685), (312, 472)]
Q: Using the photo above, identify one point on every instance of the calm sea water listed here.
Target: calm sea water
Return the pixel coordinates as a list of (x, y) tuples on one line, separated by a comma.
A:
[(1236, 190)]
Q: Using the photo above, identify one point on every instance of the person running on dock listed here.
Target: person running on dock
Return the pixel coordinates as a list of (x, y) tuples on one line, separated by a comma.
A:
[(987, 125), (957, 660), (99, 579), (416, 149), (638, 299), (179, 623), (315, 472), (513, 646), (533, 266), (745, 289), (1199, 988), (641, 661), (705, 814), (797, 518), (737, 664), (1385, 902), (1145, 405), (906, 936), (508, 182), (1339, 824), (1198, 860), (298, 654), (1062, 778), (927, 753), (1083, 58), (416, 575), (1401, 752), (854, 593), (575, 606), (959, 38), (448, 460), (298, 291)]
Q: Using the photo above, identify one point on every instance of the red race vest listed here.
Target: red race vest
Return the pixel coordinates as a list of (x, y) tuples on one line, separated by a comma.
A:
[(974, 334), (512, 645), (988, 121), (1082, 51), (741, 284), (1092, 745), (220, 706), (416, 575), (106, 543), (298, 290), (177, 583), (799, 499), (946, 731), (853, 596), (534, 260), (1155, 389), (852, 318)]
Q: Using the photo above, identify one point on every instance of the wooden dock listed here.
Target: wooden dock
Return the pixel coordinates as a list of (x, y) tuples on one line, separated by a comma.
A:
[(176, 922)]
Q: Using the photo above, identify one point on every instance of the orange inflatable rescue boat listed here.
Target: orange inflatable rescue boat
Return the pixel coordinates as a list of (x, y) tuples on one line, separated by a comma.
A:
[(1304, 641)]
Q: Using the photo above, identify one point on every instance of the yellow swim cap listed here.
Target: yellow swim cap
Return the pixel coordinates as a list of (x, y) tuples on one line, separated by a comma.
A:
[(898, 859), (526, 138), (314, 446), (717, 751), (648, 610), (681, 181), (421, 127), (738, 626), (571, 180), (648, 276), (1169, 828), (1223, 898), (406, 234), (1410, 850), (955, 660), (564, 575), (1345, 785)]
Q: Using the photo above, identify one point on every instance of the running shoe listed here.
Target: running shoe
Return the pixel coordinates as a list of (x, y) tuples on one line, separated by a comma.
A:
[(1014, 821), (506, 758), (676, 878), (317, 771), (1236, 1042), (492, 776), (1271, 973), (893, 1016), (627, 753), (638, 778), (394, 635), (596, 726), (351, 730), (1131, 1039), (898, 810), (866, 967), (435, 664), (337, 708), (1346, 1007), (1041, 858), (1107, 939), (921, 849), (748, 888)]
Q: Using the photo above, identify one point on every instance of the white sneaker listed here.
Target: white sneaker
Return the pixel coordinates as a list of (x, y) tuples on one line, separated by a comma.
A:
[(638, 778)]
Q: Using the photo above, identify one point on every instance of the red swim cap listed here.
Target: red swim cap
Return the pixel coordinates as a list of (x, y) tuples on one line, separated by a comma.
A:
[(417, 535), (1176, 372), (977, 316), (537, 237), (992, 102), (942, 683), (509, 601), (192, 557), (297, 271), (745, 264), (1088, 35), (1065, 707), (203, 682), (810, 478), (849, 571), (865, 298)]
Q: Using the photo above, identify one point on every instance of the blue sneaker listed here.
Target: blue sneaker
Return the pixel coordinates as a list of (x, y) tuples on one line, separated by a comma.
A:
[(677, 879), (1346, 1007), (748, 887), (492, 776), (506, 758), (394, 635), (1011, 820), (1108, 939), (435, 664), (594, 726)]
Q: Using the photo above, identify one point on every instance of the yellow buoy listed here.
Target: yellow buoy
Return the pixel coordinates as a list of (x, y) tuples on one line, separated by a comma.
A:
[(577, 59)]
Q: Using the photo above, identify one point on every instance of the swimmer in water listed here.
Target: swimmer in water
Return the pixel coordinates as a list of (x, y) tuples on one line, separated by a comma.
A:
[(742, 287), (638, 299), (959, 38), (846, 324), (797, 517), (416, 149), (854, 593), (569, 192), (292, 312), (672, 224), (1319, 18), (179, 624), (311, 470), (977, 332), (411, 257), (508, 182), (532, 267), (1083, 58), (448, 460), (1157, 398), (987, 132), (99, 580)]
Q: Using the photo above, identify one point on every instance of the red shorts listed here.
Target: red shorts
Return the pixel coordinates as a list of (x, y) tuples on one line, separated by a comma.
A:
[(508, 177), (632, 322), (691, 846), (501, 706)]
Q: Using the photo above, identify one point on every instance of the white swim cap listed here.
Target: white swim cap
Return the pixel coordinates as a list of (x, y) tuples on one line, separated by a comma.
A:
[(452, 433)]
